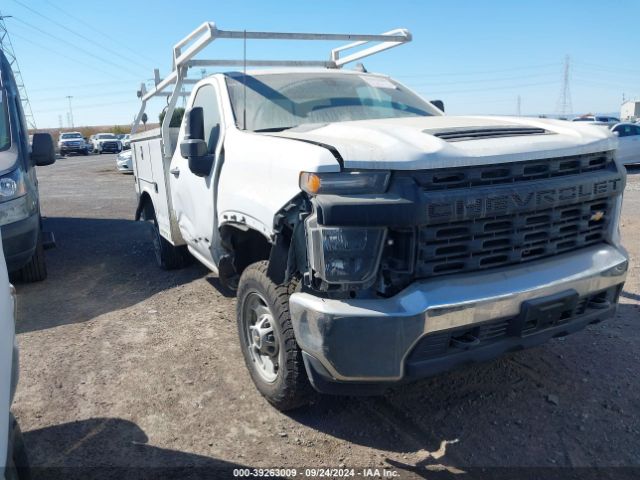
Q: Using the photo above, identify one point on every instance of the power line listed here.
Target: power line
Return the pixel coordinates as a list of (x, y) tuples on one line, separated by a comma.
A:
[(96, 30), (57, 52), (509, 87), (74, 45), (484, 80), (84, 37), (463, 73), (135, 81), (103, 94), (94, 105), (7, 48)]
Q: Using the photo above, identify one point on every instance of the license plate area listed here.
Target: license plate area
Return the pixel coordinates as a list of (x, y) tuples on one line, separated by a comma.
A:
[(545, 312)]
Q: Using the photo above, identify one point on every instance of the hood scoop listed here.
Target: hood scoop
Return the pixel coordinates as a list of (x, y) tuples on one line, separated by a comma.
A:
[(477, 133)]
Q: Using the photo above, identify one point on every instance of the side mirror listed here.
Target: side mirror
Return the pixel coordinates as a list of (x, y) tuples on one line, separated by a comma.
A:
[(42, 151), (439, 104), (194, 147)]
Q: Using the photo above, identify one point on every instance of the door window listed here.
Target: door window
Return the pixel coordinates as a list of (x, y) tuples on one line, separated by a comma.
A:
[(207, 98)]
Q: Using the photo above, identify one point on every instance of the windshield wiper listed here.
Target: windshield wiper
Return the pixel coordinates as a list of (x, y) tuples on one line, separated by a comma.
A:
[(275, 129)]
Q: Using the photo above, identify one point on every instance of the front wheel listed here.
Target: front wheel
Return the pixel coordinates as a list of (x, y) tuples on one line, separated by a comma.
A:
[(36, 269), (268, 343)]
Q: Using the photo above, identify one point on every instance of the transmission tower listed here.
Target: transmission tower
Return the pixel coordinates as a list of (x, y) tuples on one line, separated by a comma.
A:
[(7, 49), (564, 106)]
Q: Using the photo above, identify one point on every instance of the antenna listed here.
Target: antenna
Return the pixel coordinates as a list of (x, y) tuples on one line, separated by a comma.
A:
[(244, 78), (7, 48), (564, 106), (518, 105)]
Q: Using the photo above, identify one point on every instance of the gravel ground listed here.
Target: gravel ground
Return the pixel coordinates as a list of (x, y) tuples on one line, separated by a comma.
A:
[(128, 371)]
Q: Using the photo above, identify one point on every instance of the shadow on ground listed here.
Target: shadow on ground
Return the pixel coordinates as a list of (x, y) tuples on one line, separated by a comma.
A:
[(98, 266), (117, 449)]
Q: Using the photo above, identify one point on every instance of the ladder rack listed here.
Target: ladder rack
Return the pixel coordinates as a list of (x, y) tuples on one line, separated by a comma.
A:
[(187, 48)]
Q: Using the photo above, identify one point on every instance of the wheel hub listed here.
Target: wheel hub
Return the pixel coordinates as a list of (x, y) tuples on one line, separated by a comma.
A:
[(261, 338)]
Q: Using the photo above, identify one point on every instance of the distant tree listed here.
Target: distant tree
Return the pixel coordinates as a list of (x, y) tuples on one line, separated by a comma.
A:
[(117, 129), (176, 118)]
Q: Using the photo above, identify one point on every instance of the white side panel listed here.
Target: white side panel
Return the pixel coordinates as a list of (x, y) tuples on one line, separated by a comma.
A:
[(151, 177), (261, 174)]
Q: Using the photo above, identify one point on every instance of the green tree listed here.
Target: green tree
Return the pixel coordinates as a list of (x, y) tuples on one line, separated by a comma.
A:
[(176, 118)]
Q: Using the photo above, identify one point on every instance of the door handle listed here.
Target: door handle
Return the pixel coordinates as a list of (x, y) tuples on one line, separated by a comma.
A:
[(175, 171)]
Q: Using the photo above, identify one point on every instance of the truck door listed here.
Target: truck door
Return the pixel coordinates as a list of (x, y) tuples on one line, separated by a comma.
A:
[(193, 196)]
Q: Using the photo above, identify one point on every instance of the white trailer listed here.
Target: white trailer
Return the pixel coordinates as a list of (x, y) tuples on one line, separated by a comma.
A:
[(630, 111)]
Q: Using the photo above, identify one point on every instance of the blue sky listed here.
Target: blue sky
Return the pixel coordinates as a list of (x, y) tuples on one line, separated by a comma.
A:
[(478, 56)]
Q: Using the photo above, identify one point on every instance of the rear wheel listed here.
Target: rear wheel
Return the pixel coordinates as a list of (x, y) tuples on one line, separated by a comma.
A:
[(36, 269), (268, 343), (168, 257)]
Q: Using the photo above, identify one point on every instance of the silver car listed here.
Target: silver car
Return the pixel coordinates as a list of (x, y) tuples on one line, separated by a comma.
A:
[(123, 162)]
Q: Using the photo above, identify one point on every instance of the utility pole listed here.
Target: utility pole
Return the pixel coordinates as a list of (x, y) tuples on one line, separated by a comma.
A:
[(518, 105), (69, 97), (564, 106), (7, 48)]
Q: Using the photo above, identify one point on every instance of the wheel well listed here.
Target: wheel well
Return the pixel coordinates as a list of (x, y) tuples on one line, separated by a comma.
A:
[(245, 246), (145, 206)]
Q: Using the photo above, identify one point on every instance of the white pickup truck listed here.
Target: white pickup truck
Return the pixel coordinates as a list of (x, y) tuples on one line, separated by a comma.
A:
[(371, 239)]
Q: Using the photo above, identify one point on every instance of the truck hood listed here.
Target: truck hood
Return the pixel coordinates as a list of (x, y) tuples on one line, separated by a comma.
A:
[(448, 141)]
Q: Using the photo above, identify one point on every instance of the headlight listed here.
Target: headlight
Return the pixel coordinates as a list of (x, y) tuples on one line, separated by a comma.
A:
[(12, 185), (344, 254), (17, 209), (344, 182), (15, 204)]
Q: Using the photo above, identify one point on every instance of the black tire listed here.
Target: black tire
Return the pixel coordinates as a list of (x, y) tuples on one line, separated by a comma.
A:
[(291, 388), (85, 153), (168, 257), (17, 459), (36, 269)]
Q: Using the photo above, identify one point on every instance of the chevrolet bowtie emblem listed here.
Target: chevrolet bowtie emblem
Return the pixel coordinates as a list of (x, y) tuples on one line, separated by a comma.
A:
[(597, 216)]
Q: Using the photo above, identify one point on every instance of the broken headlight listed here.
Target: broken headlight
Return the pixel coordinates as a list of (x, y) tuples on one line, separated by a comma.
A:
[(344, 255), (350, 182)]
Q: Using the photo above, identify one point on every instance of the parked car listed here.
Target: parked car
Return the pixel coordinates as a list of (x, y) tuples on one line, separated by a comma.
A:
[(72, 142), (628, 142), (126, 141), (13, 455), (370, 239), (597, 119), (106, 142), (123, 162), (20, 220)]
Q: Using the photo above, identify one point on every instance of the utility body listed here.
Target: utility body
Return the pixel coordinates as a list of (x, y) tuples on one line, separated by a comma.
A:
[(371, 239)]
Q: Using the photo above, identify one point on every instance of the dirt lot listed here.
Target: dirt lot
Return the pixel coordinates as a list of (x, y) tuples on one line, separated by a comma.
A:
[(127, 371)]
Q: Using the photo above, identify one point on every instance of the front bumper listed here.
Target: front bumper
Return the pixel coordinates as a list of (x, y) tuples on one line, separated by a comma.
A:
[(369, 342), (73, 149)]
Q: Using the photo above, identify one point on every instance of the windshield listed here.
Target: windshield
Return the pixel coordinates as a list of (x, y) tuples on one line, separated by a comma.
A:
[(107, 136), (281, 101), (71, 135), (5, 132)]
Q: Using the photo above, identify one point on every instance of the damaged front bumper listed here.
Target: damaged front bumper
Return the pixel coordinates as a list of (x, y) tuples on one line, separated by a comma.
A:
[(365, 345)]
